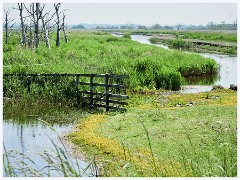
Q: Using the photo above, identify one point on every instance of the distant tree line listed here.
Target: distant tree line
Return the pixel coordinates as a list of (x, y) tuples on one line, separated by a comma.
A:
[(209, 26), (36, 23)]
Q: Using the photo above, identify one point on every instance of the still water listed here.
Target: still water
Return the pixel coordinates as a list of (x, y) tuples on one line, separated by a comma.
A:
[(34, 138)]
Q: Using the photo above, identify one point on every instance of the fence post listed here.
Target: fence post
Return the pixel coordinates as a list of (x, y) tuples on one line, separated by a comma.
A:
[(107, 92), (91, 90), (77, 90)]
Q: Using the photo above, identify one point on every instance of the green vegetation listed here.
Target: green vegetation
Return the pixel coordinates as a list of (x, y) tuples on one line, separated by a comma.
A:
[(127, 36), (164, 136), (160, 135), (183, 39), (222, 36), (96, 52), (51, 89), (182, 44)]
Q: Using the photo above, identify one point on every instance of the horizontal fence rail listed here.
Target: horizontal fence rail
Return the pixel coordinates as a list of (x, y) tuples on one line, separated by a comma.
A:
[(106, 94)]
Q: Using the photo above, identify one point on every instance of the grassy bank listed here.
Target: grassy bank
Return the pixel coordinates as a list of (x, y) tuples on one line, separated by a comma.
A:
[(165, 135), (95, 52), (188, 45), (208, 35), (220, 42)]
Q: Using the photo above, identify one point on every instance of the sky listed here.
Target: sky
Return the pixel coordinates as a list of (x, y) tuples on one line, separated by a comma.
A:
[(143, 13)]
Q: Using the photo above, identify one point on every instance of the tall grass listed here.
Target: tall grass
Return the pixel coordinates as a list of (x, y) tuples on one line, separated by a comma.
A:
[(182, 44), (223, 36), (199, 141), (96, 52)]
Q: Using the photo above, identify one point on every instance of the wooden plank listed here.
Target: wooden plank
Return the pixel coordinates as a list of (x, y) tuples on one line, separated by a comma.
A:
[(107, 92), (77, 90), (118, 102), (94, 75), (91, 90), (66, 74), (119, 96), (94, 99), (93, 84)]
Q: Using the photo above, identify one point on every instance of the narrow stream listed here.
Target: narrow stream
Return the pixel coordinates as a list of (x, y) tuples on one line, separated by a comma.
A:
[(227, 73)]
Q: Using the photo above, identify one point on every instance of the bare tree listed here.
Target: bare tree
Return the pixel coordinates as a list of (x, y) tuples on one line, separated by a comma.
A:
[(57, 6), (33, 12), (37, 24), (20, 8), (63, 28), (46, 24), (7, 24), (30, 37)]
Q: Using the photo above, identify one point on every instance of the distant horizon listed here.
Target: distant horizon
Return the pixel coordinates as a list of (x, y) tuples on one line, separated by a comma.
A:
[(146, 14)]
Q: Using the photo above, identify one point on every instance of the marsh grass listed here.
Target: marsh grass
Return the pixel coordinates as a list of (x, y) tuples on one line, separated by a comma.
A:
[(211, 35), (98, 52)]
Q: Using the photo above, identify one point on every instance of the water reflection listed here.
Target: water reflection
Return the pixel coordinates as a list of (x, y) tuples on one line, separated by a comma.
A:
[(34, 138), (201, 80)]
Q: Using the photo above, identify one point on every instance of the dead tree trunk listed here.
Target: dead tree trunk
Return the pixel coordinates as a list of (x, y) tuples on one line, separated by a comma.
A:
[(63, 28), (45, 24), (34, 15), (31, 38), (45, 30), (57, 6), (20, 8), (37, 25), (6, 26)]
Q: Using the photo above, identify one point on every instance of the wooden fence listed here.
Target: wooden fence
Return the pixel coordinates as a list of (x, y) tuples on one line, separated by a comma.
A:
[(106, 93)]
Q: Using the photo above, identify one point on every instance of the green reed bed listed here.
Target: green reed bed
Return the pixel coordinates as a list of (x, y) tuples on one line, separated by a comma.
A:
[(96, 52), (208, 35), (180, 43)]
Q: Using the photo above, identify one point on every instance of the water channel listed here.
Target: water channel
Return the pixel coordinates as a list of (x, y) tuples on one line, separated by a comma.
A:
[(227, 74)]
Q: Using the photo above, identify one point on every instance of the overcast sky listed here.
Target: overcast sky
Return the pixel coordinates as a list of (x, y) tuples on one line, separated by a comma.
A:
[(144, 13)]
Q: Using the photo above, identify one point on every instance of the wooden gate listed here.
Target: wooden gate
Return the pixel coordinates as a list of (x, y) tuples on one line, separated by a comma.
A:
[(108, 96)]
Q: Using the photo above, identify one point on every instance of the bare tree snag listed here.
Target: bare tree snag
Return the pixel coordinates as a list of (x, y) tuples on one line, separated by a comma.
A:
[(63, 28), (7, 25), (34, 15), (57, 6), (20, 8), (37, 25), (44, 26)]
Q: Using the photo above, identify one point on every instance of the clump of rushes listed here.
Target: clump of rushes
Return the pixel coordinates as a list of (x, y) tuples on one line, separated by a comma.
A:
[(91, 52), (128, 36)]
